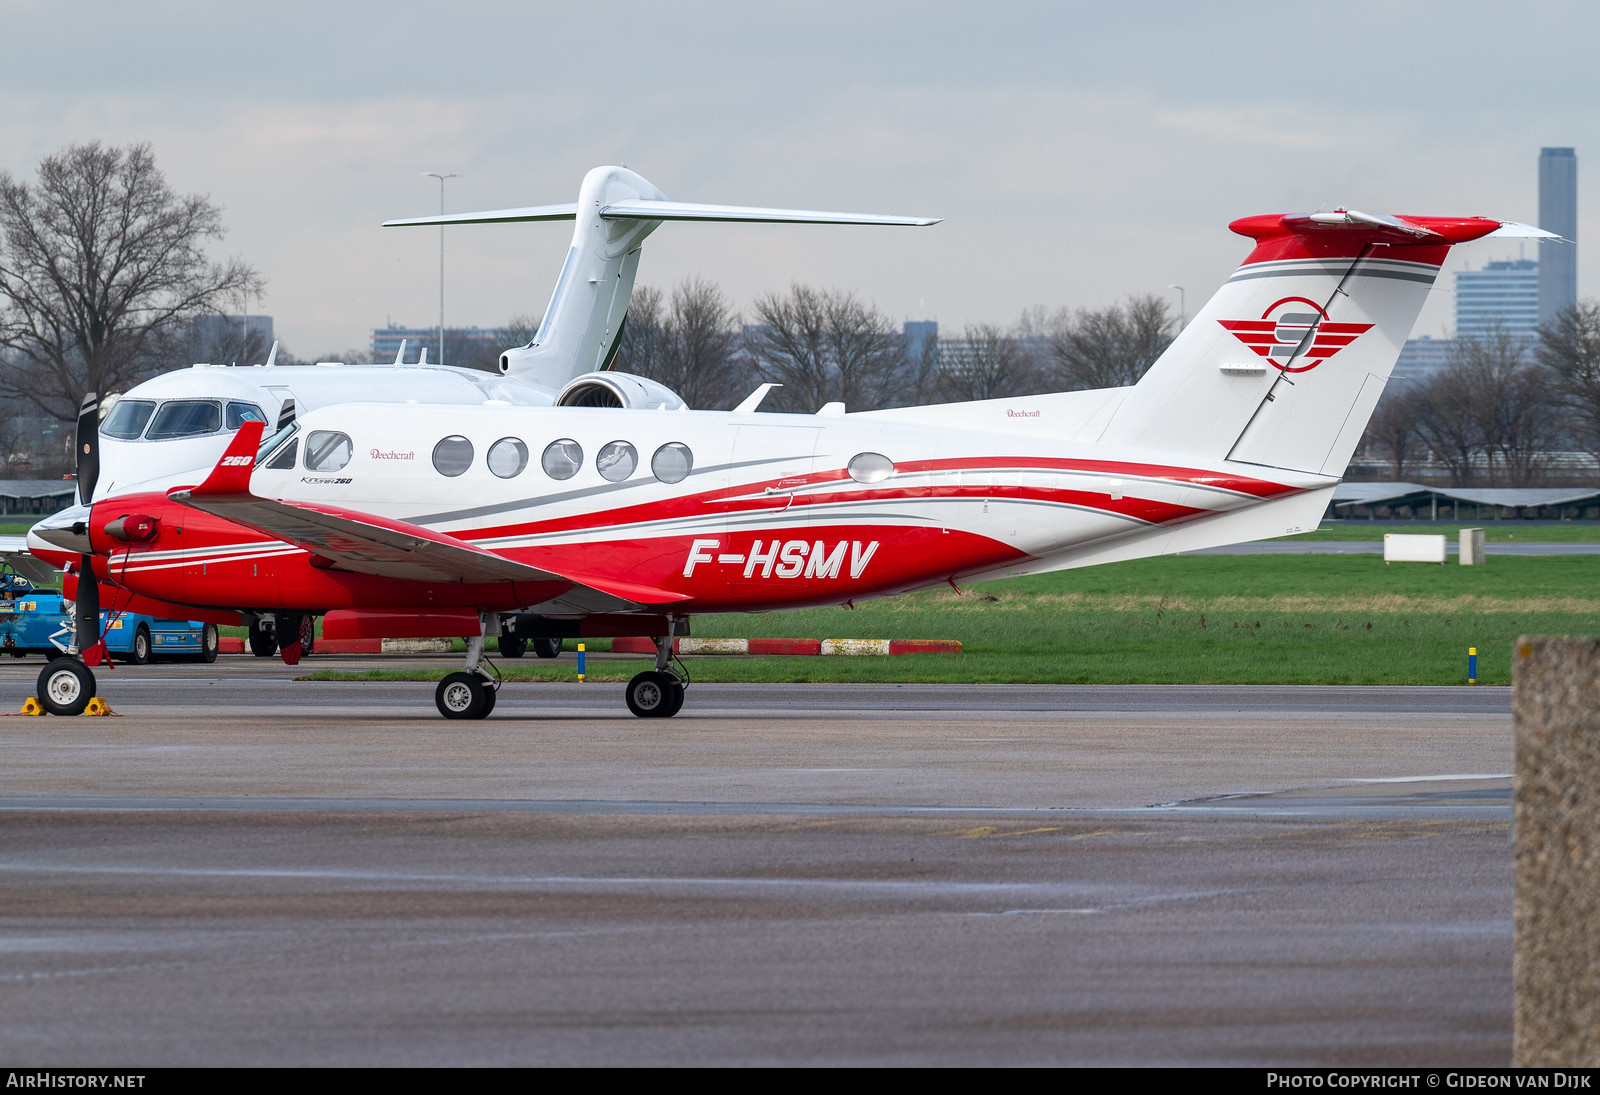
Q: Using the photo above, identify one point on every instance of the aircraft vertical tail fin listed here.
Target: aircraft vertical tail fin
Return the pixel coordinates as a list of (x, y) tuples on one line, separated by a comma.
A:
[(1284, 365), (616, 209)]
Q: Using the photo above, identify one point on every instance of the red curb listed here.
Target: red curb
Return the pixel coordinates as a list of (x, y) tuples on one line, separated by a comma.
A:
[(924, 646), (799, 646)]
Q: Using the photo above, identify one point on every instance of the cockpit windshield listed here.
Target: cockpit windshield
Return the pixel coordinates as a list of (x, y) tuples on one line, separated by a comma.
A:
[(128, 419), (185, 418)]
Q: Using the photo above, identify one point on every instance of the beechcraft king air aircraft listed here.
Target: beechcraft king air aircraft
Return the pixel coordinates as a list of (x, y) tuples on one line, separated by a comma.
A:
[(606, 519)]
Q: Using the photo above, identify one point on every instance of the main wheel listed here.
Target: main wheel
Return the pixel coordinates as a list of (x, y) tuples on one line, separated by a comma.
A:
[(461, 696), (65, 687), (512, 647), (490, 694), (547, 648), (654, 695), (676, 696), (308, 635), (263, 643), (140, 654), (210, 642)]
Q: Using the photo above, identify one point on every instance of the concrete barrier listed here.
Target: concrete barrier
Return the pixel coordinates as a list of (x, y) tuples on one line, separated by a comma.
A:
[(1471, 554), (1407, 548), (1556, 830)]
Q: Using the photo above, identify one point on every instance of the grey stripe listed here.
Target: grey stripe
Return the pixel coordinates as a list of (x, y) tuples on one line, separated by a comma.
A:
[(587, 492), (1395, 275)]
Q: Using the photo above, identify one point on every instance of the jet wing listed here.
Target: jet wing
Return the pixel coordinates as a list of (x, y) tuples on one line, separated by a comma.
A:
[(368, 544)]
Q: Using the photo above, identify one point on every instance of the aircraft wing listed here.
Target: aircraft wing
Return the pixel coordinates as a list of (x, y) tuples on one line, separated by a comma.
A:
[(368, 544)]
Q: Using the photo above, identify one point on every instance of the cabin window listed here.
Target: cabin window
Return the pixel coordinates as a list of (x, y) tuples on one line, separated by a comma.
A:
[(128, 419), (672, 462), (285, 458), (453, 455), (185, 418), (616, 460), (507, 457), (237, 414), (870, 467), (327, 450), (562, 458)]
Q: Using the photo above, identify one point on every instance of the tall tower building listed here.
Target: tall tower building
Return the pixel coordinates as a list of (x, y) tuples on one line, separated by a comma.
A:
[(1558, 213)]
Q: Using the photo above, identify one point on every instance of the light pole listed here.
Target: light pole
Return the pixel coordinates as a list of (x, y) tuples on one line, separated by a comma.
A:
[(1183, 312), (441, 178)]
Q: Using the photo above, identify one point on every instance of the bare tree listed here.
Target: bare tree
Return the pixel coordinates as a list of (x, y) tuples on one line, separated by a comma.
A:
[(1108, 348), (698, 347), (986, 362), (1570, 347), (639, 350), (1510, 399), (826, 347), (1393, 432), (101, 266), (1447, 425)]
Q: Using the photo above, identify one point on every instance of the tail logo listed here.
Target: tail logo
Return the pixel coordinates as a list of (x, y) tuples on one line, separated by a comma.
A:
[(1295, 334)]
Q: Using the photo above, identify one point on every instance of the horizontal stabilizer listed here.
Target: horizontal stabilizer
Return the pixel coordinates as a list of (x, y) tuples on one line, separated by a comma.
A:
[(641, 209)]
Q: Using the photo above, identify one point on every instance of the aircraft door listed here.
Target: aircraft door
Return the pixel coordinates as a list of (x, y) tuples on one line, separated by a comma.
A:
[(768, 467)]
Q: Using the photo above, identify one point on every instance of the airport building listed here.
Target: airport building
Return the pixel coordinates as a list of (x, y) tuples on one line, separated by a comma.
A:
[(1423, 357), (1558, 213), (460, 342)]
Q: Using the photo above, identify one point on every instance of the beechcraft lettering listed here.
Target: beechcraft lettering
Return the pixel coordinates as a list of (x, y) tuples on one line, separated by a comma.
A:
[(786, 558)]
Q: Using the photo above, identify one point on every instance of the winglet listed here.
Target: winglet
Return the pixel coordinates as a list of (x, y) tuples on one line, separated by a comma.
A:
[(232, 473)]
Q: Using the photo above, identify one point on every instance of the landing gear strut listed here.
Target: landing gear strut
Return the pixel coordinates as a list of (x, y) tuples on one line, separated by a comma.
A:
[(658, 693)]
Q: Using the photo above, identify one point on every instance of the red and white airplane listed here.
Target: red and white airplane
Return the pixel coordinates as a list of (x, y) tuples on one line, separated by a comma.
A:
[(615, 520)]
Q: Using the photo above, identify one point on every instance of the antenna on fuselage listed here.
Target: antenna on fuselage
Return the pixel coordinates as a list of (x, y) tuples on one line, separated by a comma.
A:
[(272, 357), (400, 356)]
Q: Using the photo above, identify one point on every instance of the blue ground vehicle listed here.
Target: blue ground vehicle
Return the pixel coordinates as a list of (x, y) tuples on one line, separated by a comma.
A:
[(33, 620)]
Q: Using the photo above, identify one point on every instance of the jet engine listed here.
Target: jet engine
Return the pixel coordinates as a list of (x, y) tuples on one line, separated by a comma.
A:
[(619, 390)]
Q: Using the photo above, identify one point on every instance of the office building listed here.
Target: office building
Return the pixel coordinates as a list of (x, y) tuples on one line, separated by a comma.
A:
[(1506, 293), (1558, 213)]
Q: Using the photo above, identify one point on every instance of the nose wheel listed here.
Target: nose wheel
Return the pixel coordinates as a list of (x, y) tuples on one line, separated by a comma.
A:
[(65, 687), (655, 694)]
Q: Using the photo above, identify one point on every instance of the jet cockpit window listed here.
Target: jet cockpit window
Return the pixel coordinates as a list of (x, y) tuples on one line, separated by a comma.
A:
[(453, 455), (507, 457), (128, 419), (672, 462), (185, 418), (562, 458), (616, 460), (327, 450), (239, 413)]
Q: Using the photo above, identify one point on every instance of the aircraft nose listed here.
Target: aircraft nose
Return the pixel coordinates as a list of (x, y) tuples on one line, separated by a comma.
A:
[(67, 530)]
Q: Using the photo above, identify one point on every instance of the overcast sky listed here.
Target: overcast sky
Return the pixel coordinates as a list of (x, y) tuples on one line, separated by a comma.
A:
[(1079, 152)]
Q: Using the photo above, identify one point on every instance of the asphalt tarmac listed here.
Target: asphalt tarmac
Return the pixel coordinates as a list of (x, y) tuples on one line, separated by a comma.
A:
[(246, 869)]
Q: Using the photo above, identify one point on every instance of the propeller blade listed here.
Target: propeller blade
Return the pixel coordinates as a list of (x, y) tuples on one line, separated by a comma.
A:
[(86, 619), (88, 447)]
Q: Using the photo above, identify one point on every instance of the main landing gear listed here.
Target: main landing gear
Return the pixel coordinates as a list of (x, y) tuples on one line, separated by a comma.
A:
[(470, 693), (658, 693)]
